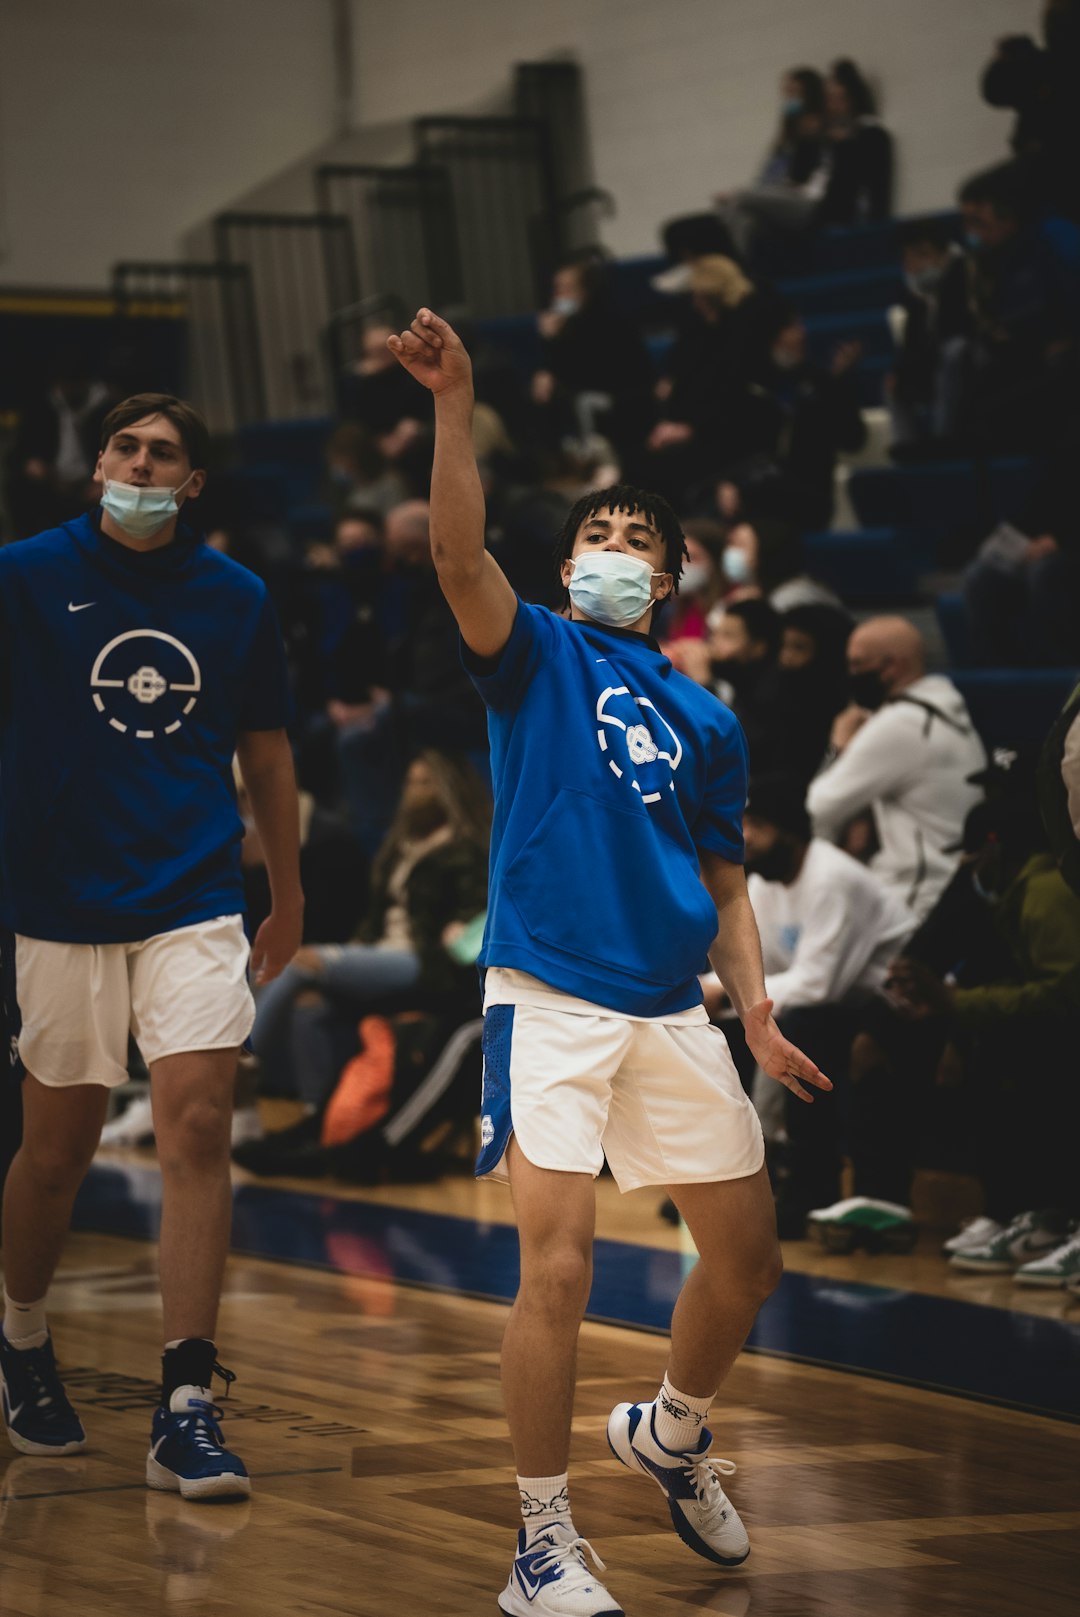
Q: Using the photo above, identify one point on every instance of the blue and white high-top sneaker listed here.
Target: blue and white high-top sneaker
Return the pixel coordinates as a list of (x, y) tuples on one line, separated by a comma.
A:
[(187, 1451), (549, 1577), (37, 1414), (703, 1515)]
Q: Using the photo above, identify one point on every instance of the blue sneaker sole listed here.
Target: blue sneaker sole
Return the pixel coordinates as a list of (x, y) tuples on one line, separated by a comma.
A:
[(226, 1485), (691, 1539)]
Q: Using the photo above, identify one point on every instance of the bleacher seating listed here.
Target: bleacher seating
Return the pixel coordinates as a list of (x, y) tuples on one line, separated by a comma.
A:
[(1014, 707), (867, 565)]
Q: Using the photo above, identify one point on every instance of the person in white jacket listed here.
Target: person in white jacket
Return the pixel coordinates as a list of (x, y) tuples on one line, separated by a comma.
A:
[(905, 751), (830, 930)]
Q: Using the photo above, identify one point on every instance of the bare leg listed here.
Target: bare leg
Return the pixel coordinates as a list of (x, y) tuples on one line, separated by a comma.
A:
[(192, 1096), (734, 1229), (61, 1128), (556, 1214)]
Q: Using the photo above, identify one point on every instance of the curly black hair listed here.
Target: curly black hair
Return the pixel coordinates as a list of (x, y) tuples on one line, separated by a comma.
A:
[(625, 497)]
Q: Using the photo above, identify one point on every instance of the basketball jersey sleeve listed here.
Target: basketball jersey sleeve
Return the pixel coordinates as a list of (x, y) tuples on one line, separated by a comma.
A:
[(503, 680), (718, 827), (265, 704)]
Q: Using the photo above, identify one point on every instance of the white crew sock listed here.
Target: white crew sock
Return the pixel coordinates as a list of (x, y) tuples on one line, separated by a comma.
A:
[(24, 1323), (678, 1418), (544, 1501)]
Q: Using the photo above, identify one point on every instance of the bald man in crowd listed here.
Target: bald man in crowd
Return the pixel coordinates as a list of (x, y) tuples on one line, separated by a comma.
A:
[(904, 751)]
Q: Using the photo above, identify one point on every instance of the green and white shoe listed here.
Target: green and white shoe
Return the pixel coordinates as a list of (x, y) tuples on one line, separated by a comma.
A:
[(864, 1221), (1057, 1268)]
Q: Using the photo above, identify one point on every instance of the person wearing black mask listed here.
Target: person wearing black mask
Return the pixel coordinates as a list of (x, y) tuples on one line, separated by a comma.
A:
[(905, 749), (814, 683), (743, 647)]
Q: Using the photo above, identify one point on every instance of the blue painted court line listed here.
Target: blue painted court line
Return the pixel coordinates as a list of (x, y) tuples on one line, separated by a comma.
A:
[(945, 1344)]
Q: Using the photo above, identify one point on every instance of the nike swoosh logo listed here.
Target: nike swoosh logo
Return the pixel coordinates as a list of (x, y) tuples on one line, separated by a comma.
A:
[(81, 607), (157, 1445)]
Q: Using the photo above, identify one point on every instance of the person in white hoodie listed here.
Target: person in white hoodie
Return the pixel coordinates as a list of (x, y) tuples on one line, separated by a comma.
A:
[(904, 751), (830, 931)]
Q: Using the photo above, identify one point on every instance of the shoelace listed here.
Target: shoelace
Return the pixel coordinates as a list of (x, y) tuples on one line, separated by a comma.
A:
[(704, 1474), (202, 1425), (40, 1396), (571, 1554)]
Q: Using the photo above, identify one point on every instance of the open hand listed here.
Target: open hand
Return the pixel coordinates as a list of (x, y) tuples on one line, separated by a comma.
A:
[(777, 1056), (432, 351), (276, 942)]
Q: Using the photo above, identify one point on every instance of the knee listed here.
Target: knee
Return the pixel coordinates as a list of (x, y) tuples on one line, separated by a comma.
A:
[(557, 1279), (57, 1164), (197, 1136)]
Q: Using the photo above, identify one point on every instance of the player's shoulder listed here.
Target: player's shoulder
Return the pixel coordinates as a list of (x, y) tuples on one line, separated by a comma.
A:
[(37, 553), (231, 575)]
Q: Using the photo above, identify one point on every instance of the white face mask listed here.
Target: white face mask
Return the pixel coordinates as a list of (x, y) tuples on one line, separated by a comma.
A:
[(141, 512), (736, 565), (612, 588), (694, 578)]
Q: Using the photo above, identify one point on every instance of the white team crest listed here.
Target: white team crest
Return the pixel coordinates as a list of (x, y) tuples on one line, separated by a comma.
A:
[(487, 1130), (145, 683), (649, 746)]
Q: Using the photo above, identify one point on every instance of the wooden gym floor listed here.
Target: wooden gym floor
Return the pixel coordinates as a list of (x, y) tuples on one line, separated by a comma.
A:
[(368, 1412)]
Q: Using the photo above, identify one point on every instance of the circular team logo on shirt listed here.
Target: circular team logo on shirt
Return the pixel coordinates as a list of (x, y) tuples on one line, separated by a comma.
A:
[(145, 683), (638, 741)]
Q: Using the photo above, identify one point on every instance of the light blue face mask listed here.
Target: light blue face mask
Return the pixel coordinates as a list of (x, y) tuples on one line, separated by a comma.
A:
[(735, 565), (612, 588), (565, 306), (141, 512)]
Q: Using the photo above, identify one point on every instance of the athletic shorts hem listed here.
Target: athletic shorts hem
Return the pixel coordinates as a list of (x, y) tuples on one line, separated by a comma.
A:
[(687, 1179), (74, 1083), (194, 1049)]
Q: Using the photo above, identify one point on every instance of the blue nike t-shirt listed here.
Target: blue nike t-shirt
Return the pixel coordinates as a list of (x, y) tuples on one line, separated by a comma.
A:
[(611, 770), (125, 679)]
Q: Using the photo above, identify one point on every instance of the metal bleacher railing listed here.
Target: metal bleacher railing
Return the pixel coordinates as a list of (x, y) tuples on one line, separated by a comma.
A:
[(222, 359), (303, 269), (503, 186), (404, 229)]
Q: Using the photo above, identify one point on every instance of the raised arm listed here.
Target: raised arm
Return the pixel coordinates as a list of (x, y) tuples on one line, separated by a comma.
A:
[(478, 591)]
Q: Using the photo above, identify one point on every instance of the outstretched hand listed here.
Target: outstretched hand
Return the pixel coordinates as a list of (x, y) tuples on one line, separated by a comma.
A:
[(432, 351), (777, 1056)]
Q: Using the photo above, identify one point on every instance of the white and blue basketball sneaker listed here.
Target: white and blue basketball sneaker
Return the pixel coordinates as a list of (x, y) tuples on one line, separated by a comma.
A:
[(703, 1515), (549, 1577), (37, 1414), (187, 1451)]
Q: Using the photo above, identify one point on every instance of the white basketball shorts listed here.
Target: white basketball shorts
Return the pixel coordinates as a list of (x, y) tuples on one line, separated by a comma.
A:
[(177, 991), (576, 1083)]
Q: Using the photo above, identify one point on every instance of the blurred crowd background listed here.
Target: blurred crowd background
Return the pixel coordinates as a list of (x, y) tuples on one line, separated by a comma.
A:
[(868, 426)]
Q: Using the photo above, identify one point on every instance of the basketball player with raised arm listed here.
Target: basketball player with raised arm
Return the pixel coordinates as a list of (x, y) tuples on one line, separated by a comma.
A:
[(616, 868), (135, 662)]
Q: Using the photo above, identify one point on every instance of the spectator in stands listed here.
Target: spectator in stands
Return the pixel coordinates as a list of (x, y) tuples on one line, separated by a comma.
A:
[(706, 413), (1004, 379), (360, 475), (1022, 591), (814, 684), (932, 310), (802, 417), (51, 464), (417, 692), (1013, 1017), (859, 151), (430, 875), (742, 651), (765, 557), (595, 377), (701, 583), (1040, 84), (375, 398), (533, 514), (905, 748), (788, 191), (829, 932)]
